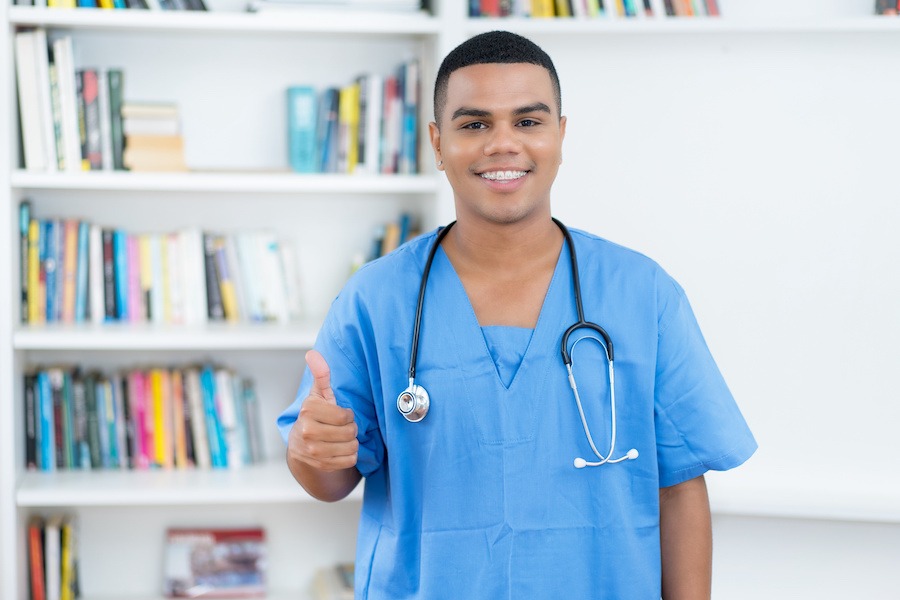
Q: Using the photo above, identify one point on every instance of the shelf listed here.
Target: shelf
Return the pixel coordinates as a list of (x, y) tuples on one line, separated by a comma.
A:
[(284, 21), (682, 25), (270, 482), (226, 182), (147, 336)]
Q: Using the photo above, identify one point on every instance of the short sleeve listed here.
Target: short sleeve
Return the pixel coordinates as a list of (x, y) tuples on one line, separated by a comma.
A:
[(343, 350), (699, 426)]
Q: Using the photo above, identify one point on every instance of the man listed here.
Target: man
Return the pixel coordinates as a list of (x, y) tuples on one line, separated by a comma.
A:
[(480, 499)]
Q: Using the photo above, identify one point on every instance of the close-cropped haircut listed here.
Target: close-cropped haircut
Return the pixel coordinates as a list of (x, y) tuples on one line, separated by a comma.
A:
[(492, 47)]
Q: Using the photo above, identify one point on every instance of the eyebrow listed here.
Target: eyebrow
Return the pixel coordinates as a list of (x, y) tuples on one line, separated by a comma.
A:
[(477, 112)]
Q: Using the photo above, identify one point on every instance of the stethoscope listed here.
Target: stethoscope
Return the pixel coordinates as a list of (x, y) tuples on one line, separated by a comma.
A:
[(413, 402)]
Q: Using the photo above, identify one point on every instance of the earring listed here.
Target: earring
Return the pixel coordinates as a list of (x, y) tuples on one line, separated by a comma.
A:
[(440, 163)]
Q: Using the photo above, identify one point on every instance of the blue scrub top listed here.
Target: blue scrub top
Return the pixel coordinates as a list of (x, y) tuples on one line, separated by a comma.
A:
[(481, 498)]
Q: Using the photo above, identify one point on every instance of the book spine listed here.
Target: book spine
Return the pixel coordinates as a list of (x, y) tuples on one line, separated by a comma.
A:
[(112, 460), (110, 287), (29, 102), (96, 300), (93, 135), (69, 269), (31, 425), (215, 308), (80, 424), (82, 130), (198, 418), (34, 272), (81, 272), (178, 420), (302, 128), (136, 274), (93, 423), (120, 258), (51, 253), (36, 557), (24, 255), (59, 440), (48, 425), (144, 266), (410, 152), (105, 120), (226, 283), (214, 432), (114, 77), (102, 424)]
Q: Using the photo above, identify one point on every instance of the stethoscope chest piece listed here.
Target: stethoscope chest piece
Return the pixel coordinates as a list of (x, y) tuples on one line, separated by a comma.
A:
[(413, 403)]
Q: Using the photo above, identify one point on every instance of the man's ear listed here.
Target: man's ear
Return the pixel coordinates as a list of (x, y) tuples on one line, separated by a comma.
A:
[(434, 133)]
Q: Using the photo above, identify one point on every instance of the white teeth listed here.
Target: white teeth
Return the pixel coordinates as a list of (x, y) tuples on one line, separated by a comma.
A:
[(503, 175)]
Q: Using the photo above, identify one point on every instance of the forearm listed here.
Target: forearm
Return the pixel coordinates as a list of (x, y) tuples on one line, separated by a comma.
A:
[(685, 531), (329, 486)]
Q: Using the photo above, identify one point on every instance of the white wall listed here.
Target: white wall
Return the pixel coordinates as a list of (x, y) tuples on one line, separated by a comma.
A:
[(760, 171)]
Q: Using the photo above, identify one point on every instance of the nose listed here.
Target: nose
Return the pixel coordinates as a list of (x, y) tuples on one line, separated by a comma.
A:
[(503, 139)]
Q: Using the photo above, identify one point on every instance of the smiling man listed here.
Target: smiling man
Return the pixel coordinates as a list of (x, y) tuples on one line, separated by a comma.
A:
[(471, 490)]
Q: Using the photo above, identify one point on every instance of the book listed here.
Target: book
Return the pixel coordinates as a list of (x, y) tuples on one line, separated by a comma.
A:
[(334, 583), (110, 286), (215, 306), (302, 119), (30, 115), (327, 130), (96, 275), (32, 418), (348, 124), (81, 271), (47, 429), (53, 557), (24, 246), (68, 101), (197, 411), (36, 557), (215, 563), (116, 99)]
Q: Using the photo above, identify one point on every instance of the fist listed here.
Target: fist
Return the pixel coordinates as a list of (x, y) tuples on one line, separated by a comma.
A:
[(324, 435)]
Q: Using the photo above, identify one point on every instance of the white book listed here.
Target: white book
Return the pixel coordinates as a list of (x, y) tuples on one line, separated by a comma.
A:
[(29, 102), (194, 399), (374, 112), (53, 557), (157, 298), (42, 62), (291, 277), (659, 9), (228, 418), (95, 274), (274, 303), (176, 282), (106, 148), (191, 248), (251, 281), (68, 100)]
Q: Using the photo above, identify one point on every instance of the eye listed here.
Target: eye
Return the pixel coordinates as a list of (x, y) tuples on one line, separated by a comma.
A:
[(528, 123), (474, 125)]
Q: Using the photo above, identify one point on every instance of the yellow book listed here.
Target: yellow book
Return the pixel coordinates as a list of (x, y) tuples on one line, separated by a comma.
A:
[(348, 126), (35, 312), (157, 451), (562, 8), (67, 562), (179, 430), (70, 269), (146, 268), (168, 449), (106, 4)]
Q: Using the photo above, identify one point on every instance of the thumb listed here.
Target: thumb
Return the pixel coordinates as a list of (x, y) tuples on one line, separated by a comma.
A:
[(321, 386)]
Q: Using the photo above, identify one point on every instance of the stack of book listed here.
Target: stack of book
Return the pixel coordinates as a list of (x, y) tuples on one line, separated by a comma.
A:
[(53, 557), (367, 126), (193, 417), (610, 9), (73, 271), (70, 119), (153, 139)]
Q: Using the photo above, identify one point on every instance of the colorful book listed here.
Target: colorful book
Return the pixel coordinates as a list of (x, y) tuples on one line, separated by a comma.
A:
[(302, 120)]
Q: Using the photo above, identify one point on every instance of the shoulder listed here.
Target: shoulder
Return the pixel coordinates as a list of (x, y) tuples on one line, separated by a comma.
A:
[(609, 262)]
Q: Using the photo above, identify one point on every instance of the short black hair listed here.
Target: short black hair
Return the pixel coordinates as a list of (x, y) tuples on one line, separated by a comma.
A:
[(492, 47)]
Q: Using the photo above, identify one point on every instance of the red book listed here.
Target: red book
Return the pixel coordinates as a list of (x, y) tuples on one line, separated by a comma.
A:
[(36, 557)]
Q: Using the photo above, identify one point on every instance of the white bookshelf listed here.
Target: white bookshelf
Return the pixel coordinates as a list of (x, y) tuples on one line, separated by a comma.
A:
[(304, 207)]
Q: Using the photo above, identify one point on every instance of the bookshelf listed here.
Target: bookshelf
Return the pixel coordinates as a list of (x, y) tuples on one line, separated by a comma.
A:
[(240, 180)]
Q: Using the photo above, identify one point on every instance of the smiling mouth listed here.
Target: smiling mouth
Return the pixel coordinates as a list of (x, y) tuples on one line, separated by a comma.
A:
[(503, 175)]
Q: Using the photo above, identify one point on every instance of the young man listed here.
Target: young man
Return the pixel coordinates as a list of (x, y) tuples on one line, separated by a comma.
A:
[(480, 497)]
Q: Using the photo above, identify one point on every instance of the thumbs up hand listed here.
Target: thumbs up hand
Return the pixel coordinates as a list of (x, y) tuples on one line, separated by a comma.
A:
[(324, 435)]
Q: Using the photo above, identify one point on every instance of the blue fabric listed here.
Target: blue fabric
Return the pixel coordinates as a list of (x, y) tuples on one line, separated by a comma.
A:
[(481, 499)]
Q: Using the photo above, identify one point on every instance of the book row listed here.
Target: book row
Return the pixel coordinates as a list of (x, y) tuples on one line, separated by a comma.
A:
[(73, 271), (53, 571), (118, 4), (369, 125), (612, 9), (169, 418), (71, 119)]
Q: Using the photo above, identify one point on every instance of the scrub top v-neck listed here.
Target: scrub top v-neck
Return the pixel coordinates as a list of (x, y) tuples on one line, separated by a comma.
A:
[(480, 499)]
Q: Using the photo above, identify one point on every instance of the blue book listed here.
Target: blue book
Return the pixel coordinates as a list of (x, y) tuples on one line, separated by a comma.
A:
[(47, 428), (327, 132), (214, 433), (240, 411), (120, 257), (81, 274), (409, 151), (102, 425), (51, 259), (302, 118)]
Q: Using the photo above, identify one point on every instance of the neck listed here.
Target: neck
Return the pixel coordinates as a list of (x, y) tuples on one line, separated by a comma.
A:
[(492, 247)]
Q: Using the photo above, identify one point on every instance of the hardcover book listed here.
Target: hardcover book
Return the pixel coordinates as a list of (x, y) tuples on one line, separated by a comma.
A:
[(215, 563)]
